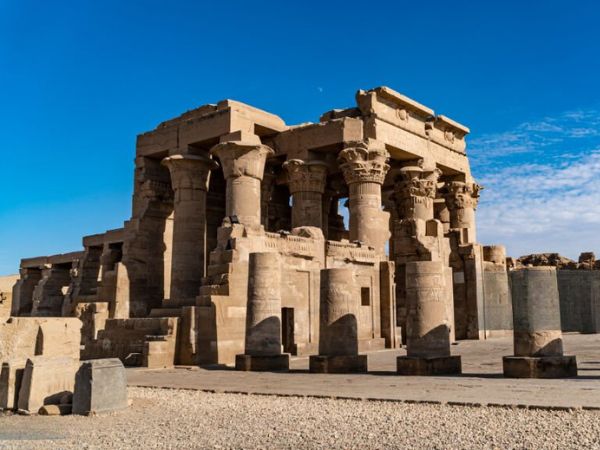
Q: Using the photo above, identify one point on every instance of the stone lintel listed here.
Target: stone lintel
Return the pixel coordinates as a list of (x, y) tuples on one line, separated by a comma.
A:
[(296, 142), (114, 236), (205, 125), (401, 101)]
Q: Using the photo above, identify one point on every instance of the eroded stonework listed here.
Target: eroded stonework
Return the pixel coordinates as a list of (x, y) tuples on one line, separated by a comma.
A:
[(227, 181)]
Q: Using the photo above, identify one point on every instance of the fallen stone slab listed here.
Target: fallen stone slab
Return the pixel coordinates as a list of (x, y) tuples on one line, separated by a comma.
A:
[(46, 379), (100, 386)]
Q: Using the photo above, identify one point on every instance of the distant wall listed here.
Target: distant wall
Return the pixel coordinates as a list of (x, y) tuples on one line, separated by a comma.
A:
[(579, 292), (7, 284), (497, 304)]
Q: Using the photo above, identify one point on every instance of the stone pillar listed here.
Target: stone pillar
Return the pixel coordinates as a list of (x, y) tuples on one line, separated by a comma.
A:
[(498, 316), (243, 165), (462, 201), (427, 328), (338, 335), (49, 294), (263, 316), (189, 178), (537, 330), (306, 181), (364, 170), (23, 300)]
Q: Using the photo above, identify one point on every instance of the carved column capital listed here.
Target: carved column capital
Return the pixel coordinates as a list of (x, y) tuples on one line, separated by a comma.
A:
[(364, 164), (306, 176), (242, 159), (189, 171), (414, 192), (462, 195)]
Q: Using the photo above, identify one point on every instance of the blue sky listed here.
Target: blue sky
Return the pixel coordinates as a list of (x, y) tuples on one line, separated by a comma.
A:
[(79, 80)]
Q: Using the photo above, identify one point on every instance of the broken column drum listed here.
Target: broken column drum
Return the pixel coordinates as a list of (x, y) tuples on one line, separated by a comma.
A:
[(338, 336), (427, 329), (189, 179), (263, 317), (538, 343), (364, 170), (243, 168)]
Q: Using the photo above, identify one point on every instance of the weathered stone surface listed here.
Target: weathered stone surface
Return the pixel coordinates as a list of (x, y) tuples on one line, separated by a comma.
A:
[(184, 254), (100, 386), (7, 285), (23, 337), (11, 375), (45, 380), (428, 332), (537, 331)]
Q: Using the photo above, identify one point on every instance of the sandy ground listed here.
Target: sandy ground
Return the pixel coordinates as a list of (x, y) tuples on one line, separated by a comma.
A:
[(162, 418)]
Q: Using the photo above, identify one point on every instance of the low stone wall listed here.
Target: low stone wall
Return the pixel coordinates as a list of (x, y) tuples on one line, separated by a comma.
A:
[(579, 292), (146, 342)]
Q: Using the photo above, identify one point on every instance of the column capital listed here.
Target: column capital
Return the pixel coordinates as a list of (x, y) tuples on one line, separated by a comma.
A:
[(189, 171), (414, 192), (239, 158), (306, 176), (462, 195), (362, 163)]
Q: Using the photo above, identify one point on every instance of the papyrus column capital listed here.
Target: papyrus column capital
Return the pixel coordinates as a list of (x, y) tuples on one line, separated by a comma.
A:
[(363, 163), (306, 176)]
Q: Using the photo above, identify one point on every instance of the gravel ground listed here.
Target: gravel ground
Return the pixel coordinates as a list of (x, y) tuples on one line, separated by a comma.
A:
[(162, 418)]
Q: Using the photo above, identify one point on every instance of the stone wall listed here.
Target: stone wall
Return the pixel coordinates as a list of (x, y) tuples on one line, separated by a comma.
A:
[(7, 284), (579, 293)]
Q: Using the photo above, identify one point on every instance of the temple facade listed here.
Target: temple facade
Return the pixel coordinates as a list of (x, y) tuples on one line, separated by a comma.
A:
[(224, 181)]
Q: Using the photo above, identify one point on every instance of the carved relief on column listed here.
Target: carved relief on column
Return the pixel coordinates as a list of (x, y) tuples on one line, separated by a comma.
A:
[(243, 168), (364, 168), (415, 191), (306, 181), (462, 199)]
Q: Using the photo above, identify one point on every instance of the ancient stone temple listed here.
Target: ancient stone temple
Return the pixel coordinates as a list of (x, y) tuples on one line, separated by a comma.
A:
[(225, 181)]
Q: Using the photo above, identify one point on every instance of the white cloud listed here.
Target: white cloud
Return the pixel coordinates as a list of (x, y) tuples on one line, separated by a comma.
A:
[(542, 186)]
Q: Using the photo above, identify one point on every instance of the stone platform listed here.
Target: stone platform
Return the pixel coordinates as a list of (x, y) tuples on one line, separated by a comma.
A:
[(481, 383)]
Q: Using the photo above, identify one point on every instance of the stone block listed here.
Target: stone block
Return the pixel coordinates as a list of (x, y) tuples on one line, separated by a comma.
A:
[(45, 381), (338, 364), (443, 365), (100, 386), (539, 367), (11, 375), (269, 363), (23, 337)]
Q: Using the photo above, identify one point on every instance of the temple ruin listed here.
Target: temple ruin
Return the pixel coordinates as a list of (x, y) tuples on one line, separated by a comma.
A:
[(225, 182)]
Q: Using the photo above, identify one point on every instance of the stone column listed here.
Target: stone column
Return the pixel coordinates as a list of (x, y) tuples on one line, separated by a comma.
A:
[(263, 316), (462, 201), (189, 178), (537, 330), (338, 335), (364, 170), (427, 328), (243, 168), (306, 181)]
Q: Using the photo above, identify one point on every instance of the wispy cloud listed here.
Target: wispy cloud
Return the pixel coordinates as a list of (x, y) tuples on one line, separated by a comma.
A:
[(547, 135), (542, 185)]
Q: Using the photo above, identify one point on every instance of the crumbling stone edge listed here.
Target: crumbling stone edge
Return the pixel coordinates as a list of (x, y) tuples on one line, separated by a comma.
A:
[(374, 399)]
